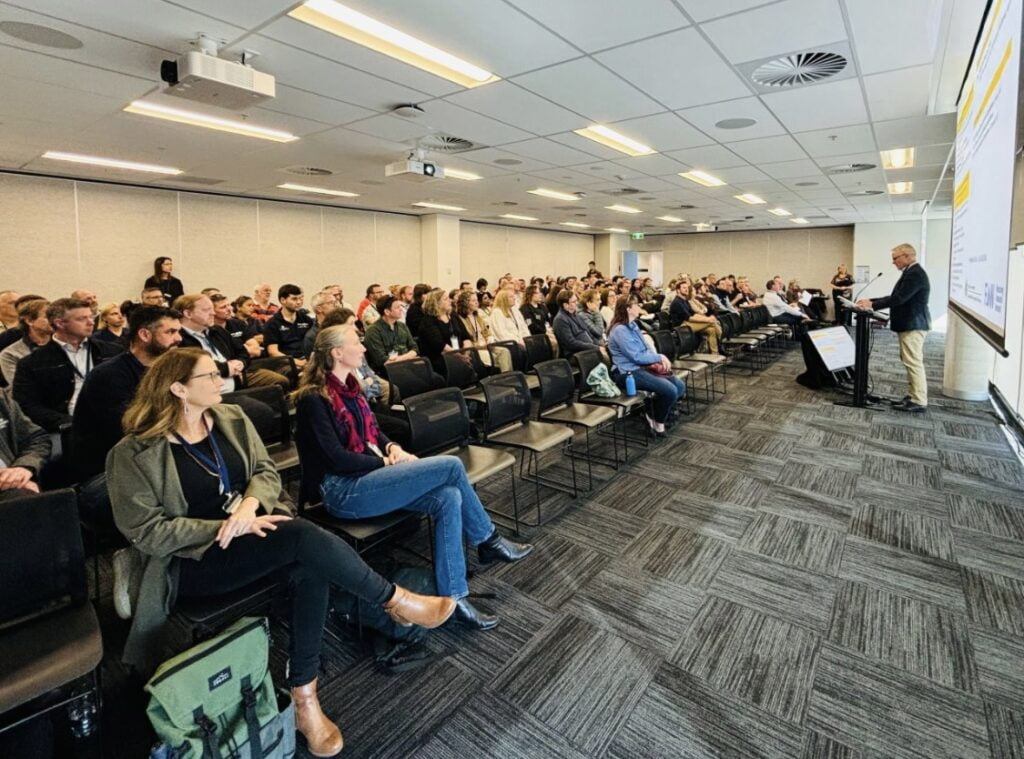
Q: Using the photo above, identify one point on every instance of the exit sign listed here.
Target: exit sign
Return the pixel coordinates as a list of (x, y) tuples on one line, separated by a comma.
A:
[(637, 236)]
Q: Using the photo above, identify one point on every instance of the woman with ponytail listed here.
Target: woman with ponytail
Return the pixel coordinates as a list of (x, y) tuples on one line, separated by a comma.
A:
[(359, 473)]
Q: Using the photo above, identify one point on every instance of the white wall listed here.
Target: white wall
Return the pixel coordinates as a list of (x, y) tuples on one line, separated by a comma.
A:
[(490, 250)]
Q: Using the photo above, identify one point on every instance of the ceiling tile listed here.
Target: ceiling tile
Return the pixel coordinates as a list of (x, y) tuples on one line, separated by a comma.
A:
[(783, 169), (663, 132), (741, 174), (549, 152), (652, 165), (704, 10), (837, 141), (451, 119), (914, 23), (931, 155), (925, 130), (819, 106), (598, 24), (590, 89), (40, 67), (898, 94), (708, 157), (767, 149), (490, 155), (506, 102), (245, 13), (315, 107), (775, 29), (705, 117), (391, 128), (664, 68)]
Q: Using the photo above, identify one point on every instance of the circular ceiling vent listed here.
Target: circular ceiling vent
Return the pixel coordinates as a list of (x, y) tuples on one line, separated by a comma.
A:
[(862, 193), (849, 168), (798, 68), (735, 123), (40, 35), (806, 184), (307, 171), (506, 161), (445, 143)]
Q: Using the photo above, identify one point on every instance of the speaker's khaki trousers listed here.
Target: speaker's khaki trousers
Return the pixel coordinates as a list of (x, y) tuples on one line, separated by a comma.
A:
[(912, 356)]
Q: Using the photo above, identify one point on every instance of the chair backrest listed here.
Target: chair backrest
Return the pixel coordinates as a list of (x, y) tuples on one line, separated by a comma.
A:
[(519, 359), (586, 361), (458, 369), (763, 317), (665, 343), (688, 341), (508, 399), (729, 325), (747, 320), (538, 349), (438, 420), (42, 563), (557, 385), (412, 377), (272, 396)]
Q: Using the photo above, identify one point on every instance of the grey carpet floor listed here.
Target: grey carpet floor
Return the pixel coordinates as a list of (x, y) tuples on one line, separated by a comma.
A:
[(781, 577)]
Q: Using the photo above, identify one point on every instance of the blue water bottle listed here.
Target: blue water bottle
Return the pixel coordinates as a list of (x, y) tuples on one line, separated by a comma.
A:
[(630, 384)]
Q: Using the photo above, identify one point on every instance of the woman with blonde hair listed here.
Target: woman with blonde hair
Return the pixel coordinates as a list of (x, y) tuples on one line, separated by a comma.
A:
[(198, 498), (473, 331), (360, 473), (842, 287), (111, 324), (507, 322), (437, 333)]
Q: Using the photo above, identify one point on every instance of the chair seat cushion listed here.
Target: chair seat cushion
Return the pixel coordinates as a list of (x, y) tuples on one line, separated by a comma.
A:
[(481, 462), (534, 436), (46, 653), (285, 456), (229, 605), (581, 414), (708, 358), (693, 366), (357, 529), (740, 341)]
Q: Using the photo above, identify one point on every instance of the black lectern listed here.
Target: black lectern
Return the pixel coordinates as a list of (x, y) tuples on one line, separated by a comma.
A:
[(862, 318)]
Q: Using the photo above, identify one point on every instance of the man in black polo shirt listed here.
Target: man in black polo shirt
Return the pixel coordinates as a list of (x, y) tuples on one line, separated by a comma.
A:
[(286, 329)]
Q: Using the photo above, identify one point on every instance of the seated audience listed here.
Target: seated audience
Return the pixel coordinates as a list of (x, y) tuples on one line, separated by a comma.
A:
[(388, 339), (414, 313), (608, 298), (111, 326), (481, 289), (339, 296), (244, 327), (437, 334), (535, 312), (360, 473), (49, 379), (473, 331), (486, 304), (153, 296), (589, 312), (263, 308), (8, 310), (781, 311), (570, 331), (220, 524), (506, 321), (367, 311), (170, 286), (36, 331), (94, 306), (725, 296), (323, 302), (24, 448), (286, 329), (686, 310), (652, 371), (405, 298)]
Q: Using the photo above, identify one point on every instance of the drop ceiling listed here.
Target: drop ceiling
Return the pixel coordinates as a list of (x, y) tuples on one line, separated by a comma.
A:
[(664, 72)]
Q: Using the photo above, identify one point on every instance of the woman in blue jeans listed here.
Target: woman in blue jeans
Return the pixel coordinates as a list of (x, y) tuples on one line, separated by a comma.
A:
[(630, 353), (360, 473)]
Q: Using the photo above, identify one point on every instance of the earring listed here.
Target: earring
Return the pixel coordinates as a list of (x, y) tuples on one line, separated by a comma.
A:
[(184, 407)]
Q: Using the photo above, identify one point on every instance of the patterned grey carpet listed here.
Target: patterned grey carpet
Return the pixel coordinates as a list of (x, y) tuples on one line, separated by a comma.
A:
[(781, 577)]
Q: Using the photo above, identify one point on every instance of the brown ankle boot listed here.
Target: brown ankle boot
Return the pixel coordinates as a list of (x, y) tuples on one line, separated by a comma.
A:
[(323, 738), (408, 608)]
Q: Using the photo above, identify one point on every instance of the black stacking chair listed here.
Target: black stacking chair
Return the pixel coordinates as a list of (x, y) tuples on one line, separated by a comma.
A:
[(507, 423), (411, 377), (519, 356), (738, 346), (538, 349), (459, 370), (209, 615), (665, 342), (440, 425), (558, 404), (623, 405), (688, 343), (49, 634), (277, 439)]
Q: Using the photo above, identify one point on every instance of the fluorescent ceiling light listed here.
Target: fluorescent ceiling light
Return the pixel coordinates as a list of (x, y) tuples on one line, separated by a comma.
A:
[(575, 224), (898, 158), (553, 194), (110, 163), (320, 190), (517, 217), (779, 212), (612, 139), (750, 199), (194, 118), (702, 177), (623, 209), (673, 219), (338, 19), (438, 206), (701, 226), (900, 188), (460, 174), (618, 230), (799, 220)]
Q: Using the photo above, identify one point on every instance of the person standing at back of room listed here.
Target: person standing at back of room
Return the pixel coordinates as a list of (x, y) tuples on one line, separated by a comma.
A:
[(169, 285), (910, 320)]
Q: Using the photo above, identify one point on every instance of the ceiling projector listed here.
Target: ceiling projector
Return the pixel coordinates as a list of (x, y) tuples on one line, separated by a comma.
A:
[(205, 78), (414, 171)]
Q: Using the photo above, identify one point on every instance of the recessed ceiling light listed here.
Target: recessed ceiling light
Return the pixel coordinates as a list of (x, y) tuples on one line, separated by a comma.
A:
[(319, 190), (438, 206), (898, 158), (110, 163), (194, 118), (779, 211), (617, 230), (702, 177), (460, 174), (900, 188), (517, 217), (575, 224), (345, 22), (552, 194), (623, 209), (799, 220), (701, 226), (612, 139), (735, 123), (673, 219), (750, 199)]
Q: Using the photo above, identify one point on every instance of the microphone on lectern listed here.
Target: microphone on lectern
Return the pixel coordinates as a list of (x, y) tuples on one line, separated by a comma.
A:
[(866, 286)]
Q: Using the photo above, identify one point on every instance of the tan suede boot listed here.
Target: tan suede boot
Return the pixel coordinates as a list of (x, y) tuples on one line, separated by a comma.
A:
[(323, 738), (408, 608)]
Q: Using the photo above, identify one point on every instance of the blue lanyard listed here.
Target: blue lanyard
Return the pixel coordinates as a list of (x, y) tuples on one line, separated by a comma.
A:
[(219, 464)]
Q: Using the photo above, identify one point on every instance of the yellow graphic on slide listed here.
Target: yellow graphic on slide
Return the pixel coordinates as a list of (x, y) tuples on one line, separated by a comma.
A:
[(965, 109), (993, 20), (995, 80), (963, 191)]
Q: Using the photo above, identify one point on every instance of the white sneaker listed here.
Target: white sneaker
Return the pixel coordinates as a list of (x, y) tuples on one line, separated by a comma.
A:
[(126, 569)]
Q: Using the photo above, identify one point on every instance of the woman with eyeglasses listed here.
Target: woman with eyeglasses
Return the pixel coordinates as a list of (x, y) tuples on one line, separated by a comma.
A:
[(199, 499)]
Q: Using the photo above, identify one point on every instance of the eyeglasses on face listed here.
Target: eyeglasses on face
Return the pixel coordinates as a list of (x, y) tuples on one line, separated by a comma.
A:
[(209, 375)]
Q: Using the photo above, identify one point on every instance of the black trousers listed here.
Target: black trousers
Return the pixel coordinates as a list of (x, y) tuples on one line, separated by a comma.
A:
[(314, 560)]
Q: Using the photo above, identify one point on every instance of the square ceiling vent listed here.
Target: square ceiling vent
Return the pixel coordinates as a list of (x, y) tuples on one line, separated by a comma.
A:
[(804, 68)]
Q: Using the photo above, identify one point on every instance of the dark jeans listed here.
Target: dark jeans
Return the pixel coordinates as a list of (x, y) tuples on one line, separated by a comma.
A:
[(315, 560), (667, 390)]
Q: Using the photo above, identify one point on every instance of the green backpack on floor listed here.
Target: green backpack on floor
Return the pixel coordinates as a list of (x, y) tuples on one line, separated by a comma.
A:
[(217, 700)]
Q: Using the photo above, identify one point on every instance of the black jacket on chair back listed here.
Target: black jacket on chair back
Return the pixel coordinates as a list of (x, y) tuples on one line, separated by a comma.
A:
[(908, 303)]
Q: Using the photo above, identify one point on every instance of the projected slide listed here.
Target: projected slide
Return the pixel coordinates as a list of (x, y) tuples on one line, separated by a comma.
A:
[(983, 185)]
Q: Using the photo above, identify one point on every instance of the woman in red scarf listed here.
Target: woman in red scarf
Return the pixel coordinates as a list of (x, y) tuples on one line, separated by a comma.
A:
[(360, 473)]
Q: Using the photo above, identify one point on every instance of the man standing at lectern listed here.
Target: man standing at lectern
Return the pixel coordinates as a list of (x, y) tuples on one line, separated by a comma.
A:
[(909, 319)]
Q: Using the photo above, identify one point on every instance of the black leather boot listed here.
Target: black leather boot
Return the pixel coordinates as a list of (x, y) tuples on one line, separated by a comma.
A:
[(497, 548), (469, 616)]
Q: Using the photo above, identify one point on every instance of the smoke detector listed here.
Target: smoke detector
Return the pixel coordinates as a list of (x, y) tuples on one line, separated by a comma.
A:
[(408, 110)]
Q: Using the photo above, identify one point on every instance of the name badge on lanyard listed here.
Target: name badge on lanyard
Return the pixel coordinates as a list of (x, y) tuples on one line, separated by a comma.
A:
[(217, 467)]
